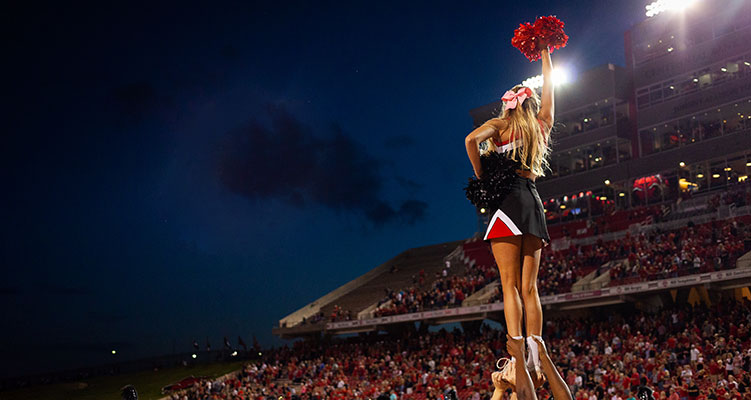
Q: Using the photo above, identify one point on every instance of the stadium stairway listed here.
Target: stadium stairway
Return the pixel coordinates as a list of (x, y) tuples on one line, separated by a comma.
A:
[(481, 296), (431, 259), (371, 287), (744, 261)]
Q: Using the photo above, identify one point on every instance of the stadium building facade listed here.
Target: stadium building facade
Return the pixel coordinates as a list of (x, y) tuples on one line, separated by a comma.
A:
[(674, 123)]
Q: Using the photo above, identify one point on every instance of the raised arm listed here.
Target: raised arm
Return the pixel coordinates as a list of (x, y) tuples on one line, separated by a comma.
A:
[(523, 386), (547, 106), (557, 385), (477, 136)]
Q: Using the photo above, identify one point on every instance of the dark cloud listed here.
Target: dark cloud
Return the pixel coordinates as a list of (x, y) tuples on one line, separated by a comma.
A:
[(285, 160), (408, 184), (398, 141), (409, 212)]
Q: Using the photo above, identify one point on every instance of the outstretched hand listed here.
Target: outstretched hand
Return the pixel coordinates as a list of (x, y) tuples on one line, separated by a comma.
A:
[(498, 382), (540, 346), (515, 347)]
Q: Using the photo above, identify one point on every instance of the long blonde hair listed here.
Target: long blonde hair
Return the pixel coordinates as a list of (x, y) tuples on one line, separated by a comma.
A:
[(523, 123)]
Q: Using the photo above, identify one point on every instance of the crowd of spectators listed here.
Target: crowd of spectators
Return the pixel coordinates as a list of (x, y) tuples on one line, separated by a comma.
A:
[(697, 248), (449, 289), (337, 314), (683, 352), (651, 255), (340, 314)]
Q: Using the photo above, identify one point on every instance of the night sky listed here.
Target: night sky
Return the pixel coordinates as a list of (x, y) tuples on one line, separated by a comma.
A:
[(180, 172)]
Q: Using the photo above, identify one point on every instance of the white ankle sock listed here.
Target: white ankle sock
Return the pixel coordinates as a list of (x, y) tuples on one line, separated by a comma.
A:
[(533, 358)]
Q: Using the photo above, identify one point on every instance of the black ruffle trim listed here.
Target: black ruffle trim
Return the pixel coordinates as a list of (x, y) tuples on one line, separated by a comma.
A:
[(498, 176)]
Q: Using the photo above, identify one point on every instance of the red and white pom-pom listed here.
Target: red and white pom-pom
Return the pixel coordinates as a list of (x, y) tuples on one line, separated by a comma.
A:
[(525, 39), (550, 31), (530, 39)]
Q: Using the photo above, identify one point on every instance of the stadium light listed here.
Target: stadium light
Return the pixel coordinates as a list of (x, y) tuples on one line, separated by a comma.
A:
[(660, 6), (114, 351), (560, 76), (194, 355), (234, 353)]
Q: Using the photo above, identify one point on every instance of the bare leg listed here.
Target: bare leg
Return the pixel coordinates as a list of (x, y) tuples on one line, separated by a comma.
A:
[(531, 250), (506, 252)]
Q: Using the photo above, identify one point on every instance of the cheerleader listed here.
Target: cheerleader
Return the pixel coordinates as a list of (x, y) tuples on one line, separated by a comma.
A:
[(518, 148)]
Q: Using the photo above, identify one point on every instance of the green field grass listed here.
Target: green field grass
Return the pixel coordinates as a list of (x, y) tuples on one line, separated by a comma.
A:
[(147, 383)]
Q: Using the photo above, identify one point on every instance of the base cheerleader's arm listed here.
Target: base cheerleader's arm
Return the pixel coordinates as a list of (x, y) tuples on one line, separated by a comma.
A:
[(477, 136)]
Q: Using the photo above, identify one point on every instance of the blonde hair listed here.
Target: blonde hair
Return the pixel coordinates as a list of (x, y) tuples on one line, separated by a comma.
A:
[(524, 125)]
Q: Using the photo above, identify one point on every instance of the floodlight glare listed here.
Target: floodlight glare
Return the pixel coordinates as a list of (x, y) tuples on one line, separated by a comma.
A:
[(659, 6), (560, 76)]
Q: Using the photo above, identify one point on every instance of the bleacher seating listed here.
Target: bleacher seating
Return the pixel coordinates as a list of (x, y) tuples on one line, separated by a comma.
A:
[(400, 274), (679, 349)]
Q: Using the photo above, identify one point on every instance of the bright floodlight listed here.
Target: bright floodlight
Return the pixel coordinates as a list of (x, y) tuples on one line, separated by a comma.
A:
[(659, 6), (560, 76), (194, 355)]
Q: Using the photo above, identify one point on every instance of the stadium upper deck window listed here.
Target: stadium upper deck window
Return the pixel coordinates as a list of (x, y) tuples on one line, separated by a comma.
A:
[(668, 89), (655, 94), (642, 98), (734, 68), (624, 151)]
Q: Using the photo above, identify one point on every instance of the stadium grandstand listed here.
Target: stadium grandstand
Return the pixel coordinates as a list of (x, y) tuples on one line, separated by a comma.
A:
[(630, 208), (647, 275), (649, 209)]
